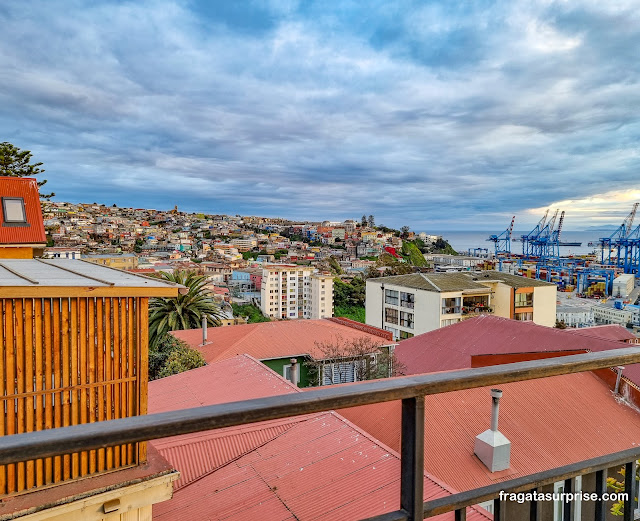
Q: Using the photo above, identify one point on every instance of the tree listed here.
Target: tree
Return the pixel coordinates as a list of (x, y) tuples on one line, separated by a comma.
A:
[(560, 324), (404, 232), (618, 486), (361, 356), (184, 312), (364, 221), (372, 221), (16, 163), (171, 356)]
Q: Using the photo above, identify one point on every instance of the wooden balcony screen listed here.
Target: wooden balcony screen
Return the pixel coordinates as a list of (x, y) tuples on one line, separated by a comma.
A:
[(70, 361)]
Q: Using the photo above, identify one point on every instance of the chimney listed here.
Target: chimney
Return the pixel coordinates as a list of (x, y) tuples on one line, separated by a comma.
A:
[(619, 370), (293, 372), (204, 330), (492, 447)]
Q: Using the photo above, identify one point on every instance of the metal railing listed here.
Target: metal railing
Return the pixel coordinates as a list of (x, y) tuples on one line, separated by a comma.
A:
[(411, 390)]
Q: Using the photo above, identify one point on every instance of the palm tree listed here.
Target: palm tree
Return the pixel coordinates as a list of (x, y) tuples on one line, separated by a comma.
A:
[(184, 312)]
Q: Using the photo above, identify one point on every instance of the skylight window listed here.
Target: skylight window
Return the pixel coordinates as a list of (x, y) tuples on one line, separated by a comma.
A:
[(13, 210)]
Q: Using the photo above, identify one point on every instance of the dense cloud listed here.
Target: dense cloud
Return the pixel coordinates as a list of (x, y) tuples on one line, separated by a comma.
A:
[(438, 116)]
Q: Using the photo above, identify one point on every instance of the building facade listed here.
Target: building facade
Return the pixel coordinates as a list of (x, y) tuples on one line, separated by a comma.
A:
[(413, 304), (289, 292)]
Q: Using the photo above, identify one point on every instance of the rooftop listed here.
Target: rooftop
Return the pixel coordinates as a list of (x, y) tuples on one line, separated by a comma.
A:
[(453, 346), (460, 281), (550, 422), (277, 470), (39, 277), (278, 339)]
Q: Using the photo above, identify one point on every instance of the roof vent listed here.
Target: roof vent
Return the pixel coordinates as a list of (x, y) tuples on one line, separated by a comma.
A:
[(492, 447)]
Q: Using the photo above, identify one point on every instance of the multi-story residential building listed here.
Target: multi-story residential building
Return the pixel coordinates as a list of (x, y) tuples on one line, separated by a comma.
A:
[(62, 253), (291, 291), (409, 305)]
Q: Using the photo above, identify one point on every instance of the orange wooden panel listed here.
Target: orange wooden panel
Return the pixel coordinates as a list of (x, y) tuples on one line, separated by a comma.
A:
[(29, 383), (3, 337), (48, 382), (39, 383), (74, 380), (143, 366), (91, 349), (84, 378), (10, 382), (108, 370), (100, 353)]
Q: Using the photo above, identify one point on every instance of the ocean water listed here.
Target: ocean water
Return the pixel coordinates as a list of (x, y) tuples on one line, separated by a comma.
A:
[(462, 241)]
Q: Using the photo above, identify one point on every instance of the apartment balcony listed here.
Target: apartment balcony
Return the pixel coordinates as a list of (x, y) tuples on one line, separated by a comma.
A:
[(410, 390), (451, 310), (468, 312)]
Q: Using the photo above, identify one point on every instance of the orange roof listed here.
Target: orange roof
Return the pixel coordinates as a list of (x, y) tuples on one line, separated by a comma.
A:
[(278, 470), (268, 340), (31, 232), (550, 422)]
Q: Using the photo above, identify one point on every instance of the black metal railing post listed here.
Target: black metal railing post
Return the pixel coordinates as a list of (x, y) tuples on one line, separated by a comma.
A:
[(534, 511), (630, 490), (566, 507), (412, 454), (601, 488)]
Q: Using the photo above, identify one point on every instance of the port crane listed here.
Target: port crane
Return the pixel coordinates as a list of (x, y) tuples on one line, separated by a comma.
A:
[(540, 245), (619, 241), (503, 240), (527, 246)]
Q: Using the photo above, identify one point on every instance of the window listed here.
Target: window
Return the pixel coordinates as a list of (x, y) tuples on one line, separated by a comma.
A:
[(391, 297), (391, 315), (406, 319), (406, 299), (13, 211), (405, 334), (524, 316), (338, 373), (524, 300)]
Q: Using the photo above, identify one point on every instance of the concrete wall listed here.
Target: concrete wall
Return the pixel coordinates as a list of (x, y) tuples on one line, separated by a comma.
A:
[(544, 305)]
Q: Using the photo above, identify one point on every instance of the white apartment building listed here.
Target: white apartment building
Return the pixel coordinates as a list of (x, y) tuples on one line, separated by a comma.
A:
[(290, 291), (413, 304), (576, 316)]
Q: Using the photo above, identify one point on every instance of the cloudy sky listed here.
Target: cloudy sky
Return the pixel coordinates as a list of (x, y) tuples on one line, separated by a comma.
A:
[(437, 115)]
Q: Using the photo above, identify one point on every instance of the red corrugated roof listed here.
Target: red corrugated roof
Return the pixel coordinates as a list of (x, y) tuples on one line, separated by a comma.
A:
[(609, 332), (550, 422), (453, 346), (314, 467), (267, 340), (27, 189)]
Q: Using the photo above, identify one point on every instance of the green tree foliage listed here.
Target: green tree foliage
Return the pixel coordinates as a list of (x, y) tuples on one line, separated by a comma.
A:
[(171, 356), (364, 221), (404, 232), (393, 267), (17, 163), (442, 246), (184, 311), (348, 299), (412, 254), (560, 324), (371, 220), (618, 486), (252, 313)]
